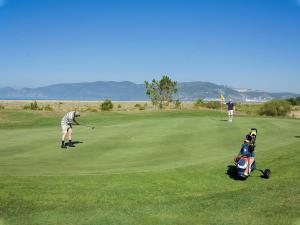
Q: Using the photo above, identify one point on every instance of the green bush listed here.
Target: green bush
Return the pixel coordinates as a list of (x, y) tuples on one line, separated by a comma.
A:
[(2, 107), (48, 108), (140, 107), (106, 105), (177, 104), (213, 105), (199, 102), (294, 101), (249, 109), (275, 108), (32, 106)]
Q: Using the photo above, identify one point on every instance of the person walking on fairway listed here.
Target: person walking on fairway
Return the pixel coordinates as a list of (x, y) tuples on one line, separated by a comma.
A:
[(66, 127), (230, 109)]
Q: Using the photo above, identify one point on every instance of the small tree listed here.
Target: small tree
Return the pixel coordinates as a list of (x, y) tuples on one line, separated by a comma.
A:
[(106, 105), (294, 101), (199, 102), (298, 100), (33, 106), (161, 92), (178, 104)]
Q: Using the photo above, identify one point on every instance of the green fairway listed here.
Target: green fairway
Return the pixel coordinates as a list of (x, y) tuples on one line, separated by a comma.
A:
[(146, 168)]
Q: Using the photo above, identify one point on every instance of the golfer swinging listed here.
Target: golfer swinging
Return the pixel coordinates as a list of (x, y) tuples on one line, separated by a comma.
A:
[(66, 127)]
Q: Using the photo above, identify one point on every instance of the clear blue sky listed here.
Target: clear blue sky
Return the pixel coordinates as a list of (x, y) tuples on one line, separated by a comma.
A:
[(240, 43)]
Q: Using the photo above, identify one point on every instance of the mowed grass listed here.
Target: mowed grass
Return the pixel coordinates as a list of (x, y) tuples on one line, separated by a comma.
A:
[(146, 168)]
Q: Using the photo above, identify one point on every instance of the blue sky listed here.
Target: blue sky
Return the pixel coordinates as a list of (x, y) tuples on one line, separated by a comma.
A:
[(240, 43)]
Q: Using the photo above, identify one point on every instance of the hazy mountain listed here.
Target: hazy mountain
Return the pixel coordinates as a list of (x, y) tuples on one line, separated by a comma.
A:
[(128, 91), (80, 91)]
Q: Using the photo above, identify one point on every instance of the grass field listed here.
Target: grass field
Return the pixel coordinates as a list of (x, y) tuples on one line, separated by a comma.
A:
[(146, 168)]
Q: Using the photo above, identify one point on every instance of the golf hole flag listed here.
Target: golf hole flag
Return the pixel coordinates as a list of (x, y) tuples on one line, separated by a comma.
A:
[(222, 98)]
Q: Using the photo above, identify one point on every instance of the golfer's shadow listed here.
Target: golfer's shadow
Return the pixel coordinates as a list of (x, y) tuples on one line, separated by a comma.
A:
[(74, 143), (224, 120), (231, 172), (297, 136)]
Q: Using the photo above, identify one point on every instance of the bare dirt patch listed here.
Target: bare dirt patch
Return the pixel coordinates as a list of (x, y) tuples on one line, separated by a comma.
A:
[(295, 114)]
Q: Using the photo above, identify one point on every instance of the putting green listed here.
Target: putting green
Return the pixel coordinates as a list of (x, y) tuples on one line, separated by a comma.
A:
[(146, 168)]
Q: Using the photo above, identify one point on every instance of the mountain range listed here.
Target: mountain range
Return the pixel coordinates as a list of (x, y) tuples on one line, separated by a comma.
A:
[(129, 91)]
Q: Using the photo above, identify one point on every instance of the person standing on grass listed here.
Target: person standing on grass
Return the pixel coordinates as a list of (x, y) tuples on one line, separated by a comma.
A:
[(66, 127), (230, 109)]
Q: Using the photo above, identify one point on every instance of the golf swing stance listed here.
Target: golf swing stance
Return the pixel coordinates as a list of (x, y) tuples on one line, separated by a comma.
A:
[(66, 126)]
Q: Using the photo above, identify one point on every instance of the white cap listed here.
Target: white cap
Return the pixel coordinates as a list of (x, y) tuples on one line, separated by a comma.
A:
[(77, 113)]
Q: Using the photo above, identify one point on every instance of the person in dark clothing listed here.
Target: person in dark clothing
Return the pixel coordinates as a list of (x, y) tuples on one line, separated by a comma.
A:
[(230, 109)]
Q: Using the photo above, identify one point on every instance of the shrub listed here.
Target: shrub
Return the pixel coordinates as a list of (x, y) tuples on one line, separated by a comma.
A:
[(106, 105), (298, 100), (2, 107), (119, 106), (32, 106), (294, 101), (26, 107), (60, 104), (199, 102), (140, 107), (177, 104), (213, 105), (249, 109), (275, 108), (48, 108)]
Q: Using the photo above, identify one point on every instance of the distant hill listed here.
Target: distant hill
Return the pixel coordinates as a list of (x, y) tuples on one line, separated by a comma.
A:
[(129, 91)]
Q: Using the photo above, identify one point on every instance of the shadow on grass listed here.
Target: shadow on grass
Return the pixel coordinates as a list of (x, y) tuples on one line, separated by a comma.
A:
[(231, 172), (262, 173), (74, 143), (297, 136), (224, 120)]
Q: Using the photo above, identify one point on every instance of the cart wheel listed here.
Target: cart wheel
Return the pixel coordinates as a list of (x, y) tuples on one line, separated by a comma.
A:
[(267, 173)]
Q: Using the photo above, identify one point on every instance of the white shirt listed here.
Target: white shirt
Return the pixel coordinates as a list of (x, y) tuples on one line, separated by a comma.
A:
[(68, 118)]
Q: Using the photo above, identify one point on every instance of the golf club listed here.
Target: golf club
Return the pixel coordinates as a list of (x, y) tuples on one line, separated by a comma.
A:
[(86, 125)]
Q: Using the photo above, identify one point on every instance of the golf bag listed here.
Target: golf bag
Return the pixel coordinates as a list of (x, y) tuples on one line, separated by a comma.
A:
[(245, 162), (251, 138)]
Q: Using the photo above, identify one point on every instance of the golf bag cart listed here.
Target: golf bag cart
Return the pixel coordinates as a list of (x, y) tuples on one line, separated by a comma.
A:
[(245, 161)]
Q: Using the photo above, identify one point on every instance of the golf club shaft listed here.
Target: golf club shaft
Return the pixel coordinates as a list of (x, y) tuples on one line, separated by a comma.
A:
[(87, 125)]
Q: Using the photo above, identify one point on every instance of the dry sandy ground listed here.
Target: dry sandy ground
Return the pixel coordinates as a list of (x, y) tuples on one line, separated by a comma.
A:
[(295, 114), (88, 105), (94, 106)]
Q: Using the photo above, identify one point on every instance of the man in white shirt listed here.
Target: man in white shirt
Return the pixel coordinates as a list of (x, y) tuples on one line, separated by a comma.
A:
[(66, 127)]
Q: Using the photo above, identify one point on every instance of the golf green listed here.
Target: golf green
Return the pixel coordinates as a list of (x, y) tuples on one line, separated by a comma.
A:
[(146, 168)]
